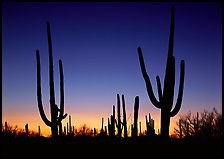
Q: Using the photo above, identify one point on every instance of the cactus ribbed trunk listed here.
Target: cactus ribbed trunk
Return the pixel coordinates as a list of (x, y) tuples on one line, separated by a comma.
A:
[(165, 123)]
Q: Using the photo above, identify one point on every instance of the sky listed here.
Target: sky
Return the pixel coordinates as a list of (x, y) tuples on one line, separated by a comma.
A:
[(97, 42)]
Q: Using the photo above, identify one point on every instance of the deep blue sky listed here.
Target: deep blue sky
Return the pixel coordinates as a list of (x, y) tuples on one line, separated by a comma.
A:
[(97, 43)]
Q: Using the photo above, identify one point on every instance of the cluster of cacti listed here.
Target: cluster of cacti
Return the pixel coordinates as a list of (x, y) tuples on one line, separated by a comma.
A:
[(103, 130), (165, 101), (122, 125), (69, 130), (56, 120), (112, 121), (149, 126)]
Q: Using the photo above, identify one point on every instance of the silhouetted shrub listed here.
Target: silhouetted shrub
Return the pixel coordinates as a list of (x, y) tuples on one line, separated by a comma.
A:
[(206, 125)]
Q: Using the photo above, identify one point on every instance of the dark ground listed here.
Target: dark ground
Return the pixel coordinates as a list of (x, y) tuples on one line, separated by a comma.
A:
[(104, 147)]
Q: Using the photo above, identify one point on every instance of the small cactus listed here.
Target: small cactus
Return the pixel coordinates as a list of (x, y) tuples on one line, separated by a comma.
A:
[(6, 127), (119, 123), (111, 124), (196, 124), (26, 130), (149, 126), (136, 108), (124, 118), (39, 131)]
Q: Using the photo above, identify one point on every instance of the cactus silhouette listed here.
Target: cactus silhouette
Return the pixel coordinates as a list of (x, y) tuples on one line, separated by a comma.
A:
[(55, 119), (165, 101), (135, 125), (6, 127), (111, 124), (27, 130), (124, 118), (196, 124), (119, 123), (102, 131), (39, 131), (149, 125)]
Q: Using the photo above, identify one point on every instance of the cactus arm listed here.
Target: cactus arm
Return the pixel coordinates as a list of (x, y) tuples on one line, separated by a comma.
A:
[(61, 116), (180, 93), (159, 88), (147, 80), (39, 96)]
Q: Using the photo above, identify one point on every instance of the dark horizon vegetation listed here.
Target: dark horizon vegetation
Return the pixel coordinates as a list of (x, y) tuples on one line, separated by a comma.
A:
[(201, 138)]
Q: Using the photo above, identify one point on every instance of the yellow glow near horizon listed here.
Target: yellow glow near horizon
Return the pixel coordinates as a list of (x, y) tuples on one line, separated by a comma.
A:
[(80, 116), (91, 121)]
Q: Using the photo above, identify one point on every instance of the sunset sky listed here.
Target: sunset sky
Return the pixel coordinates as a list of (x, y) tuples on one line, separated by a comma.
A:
[(97, 43)]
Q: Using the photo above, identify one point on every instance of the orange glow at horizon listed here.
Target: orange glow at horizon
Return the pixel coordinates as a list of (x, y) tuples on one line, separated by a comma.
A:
[(79, 119)]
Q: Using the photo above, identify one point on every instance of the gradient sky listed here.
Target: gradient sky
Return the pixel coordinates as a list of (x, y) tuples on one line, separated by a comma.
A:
[(97, 43)]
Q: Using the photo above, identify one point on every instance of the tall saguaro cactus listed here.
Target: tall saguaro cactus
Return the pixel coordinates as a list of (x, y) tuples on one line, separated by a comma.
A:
[(165, 101), (55, 118)]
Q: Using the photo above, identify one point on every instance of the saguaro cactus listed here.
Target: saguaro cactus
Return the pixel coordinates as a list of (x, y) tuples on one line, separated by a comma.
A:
[(55, 119), (102, 126), (119, 124), (136, 108), (111, 124), (124, 118), (149, 125), (165, 101)]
